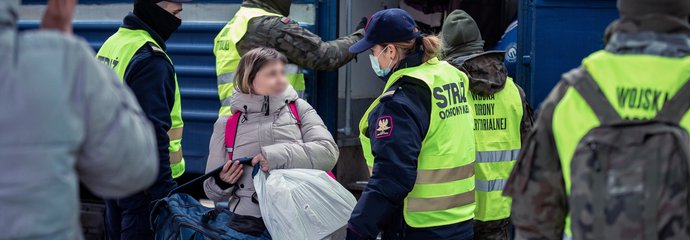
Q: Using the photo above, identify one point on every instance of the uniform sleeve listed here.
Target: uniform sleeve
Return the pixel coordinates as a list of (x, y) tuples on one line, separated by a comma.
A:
[(152, 79), (305, 48), (396, 129), (536, 184), (118, 156), (316, 151), (527, 116)]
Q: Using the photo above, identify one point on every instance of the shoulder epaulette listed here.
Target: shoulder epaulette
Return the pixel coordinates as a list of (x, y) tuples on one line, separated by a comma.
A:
[(388, 93), (156, 48)]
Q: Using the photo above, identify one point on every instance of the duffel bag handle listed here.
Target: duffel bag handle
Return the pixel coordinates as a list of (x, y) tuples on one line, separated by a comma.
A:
[(244, 161)]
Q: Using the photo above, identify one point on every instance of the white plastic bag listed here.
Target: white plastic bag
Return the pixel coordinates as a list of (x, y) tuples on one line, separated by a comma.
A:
[(302, 203)]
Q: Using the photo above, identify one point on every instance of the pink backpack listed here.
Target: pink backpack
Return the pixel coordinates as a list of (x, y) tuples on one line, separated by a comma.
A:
[(233, 122)]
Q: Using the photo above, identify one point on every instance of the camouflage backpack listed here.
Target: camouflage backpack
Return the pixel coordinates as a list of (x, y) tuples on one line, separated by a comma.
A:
[(630, 178)]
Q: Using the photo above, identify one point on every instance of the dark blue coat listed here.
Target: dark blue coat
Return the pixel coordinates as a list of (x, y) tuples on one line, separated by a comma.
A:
[(408, 110), (151, 77)]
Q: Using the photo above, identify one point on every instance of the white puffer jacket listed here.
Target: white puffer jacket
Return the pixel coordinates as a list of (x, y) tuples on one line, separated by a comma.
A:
[(272, 130)]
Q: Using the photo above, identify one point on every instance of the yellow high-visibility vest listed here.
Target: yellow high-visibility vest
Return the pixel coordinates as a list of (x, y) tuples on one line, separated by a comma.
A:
[(573, 118), (116, 52), (497, 119), (443, 193)]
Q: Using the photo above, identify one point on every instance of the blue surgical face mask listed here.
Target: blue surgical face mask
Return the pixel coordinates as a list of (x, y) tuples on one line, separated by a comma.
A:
[(377, 67)]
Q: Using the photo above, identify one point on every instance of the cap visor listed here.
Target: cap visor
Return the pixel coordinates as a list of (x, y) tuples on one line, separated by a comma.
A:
[(179, 1), (361, 46)]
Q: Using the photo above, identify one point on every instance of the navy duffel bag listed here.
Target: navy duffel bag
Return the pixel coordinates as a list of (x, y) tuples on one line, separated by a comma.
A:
[(180, 216)]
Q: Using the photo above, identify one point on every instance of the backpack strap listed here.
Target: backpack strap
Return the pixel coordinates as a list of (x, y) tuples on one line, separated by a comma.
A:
[(674, 110), (582, 81), (231, 133), (293, 109)]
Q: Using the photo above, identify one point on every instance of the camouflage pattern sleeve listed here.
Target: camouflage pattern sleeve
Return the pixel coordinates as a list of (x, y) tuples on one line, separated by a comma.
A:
[(536, 184), (301, 46), (527, 116)]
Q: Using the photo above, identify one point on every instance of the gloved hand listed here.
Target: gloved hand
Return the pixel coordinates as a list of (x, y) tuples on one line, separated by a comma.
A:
[(362, 24), (58, 15)]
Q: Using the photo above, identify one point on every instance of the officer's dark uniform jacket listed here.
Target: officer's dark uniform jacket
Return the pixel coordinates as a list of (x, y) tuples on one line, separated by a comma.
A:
[(151, 77), (301, 46), (540, 201), (409, 107)]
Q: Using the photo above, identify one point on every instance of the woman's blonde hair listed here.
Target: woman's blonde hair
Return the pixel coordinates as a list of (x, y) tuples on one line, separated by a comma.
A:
[(251, 63), (431, 45)]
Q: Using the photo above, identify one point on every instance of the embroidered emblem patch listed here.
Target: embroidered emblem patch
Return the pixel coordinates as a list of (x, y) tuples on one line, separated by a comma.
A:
[(285, 20), (384, 127)]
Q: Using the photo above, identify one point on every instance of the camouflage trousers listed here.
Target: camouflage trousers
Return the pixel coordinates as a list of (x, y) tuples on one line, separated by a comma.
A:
[(492, 230)]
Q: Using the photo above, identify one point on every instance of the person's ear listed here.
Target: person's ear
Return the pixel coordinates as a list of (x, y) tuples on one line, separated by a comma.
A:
[(392, 52)]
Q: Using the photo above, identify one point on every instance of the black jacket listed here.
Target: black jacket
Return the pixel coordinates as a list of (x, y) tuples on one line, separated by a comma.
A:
[(407, 108), (151, 77)]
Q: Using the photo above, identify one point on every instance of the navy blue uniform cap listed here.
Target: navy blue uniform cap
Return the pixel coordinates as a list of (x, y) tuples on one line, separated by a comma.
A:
[(386, 26)]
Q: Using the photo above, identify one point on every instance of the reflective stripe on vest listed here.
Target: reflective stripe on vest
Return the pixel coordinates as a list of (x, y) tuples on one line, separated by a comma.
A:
[(497, 119), (617, 75), (443, 192), (116, 52), (227, 56)]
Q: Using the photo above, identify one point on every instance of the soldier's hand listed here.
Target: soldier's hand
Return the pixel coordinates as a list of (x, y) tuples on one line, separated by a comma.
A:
[(58, 15), (362, 24)]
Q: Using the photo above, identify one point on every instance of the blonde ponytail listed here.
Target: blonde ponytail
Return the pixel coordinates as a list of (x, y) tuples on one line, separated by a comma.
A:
[(431, 45)]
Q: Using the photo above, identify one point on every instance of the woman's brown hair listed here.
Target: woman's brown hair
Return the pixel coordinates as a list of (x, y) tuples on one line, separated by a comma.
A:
[(251, 63)]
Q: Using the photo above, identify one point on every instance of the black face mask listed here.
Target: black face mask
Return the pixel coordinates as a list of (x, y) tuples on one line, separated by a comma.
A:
[(161, 21)]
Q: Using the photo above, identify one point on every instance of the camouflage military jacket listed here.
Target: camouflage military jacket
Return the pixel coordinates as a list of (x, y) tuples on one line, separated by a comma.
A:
[(540, 203), (301, 46)]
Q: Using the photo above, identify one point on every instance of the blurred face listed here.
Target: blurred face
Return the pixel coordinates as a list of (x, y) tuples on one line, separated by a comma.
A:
[(172, 7), (386, 54), (270, 80)]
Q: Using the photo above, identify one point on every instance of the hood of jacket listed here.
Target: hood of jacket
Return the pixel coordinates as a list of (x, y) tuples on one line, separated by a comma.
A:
[(653, 34), (251, 103), (486, 71), (276, 6), (461, 35)]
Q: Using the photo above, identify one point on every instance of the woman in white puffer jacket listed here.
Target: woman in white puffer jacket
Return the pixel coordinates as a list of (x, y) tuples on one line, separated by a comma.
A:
[(267, 131)]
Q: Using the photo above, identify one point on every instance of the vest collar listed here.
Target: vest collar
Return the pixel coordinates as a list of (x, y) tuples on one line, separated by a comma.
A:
[(133, 22), (250, 103)]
